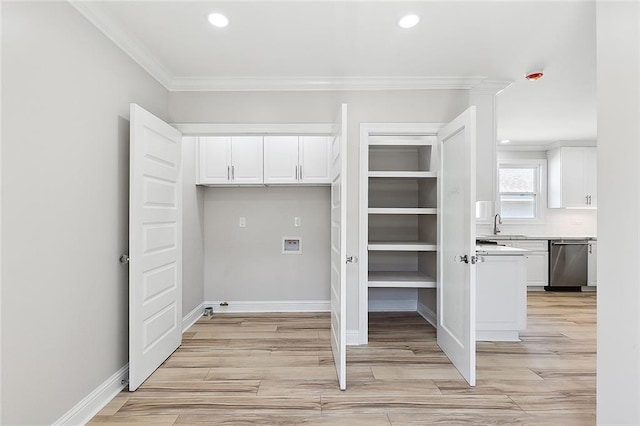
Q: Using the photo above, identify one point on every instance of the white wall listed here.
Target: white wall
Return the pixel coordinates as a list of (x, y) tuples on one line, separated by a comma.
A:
[(65, 155), (192, 230), (618, 368), (313, 107), (247, 264), (556, 223)]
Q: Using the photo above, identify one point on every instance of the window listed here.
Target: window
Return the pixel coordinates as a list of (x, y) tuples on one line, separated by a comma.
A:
[(521, 189)]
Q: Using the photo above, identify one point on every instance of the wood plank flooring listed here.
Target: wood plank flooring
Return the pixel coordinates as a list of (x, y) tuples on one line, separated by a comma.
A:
[(270, 369)]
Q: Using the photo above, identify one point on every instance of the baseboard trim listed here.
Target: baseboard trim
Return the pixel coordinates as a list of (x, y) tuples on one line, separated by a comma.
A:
[(392, 305), (270, 306), (428, 315), (192, 317), (353, 337), (90, 405)]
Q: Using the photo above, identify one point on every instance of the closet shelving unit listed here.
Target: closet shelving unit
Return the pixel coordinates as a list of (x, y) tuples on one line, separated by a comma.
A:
[(401, 220)]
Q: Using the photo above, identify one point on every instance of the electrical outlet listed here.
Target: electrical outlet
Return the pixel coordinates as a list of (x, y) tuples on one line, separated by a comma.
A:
[(296, 221), (243, 222)]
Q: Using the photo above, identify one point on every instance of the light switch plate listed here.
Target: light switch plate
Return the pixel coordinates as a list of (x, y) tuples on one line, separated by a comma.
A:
[(296, 221), (243, 222)]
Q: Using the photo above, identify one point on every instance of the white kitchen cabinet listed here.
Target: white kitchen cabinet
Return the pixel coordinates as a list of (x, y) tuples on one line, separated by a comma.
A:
[(501, 297), (592, 264), (537, 260), (572, 177), (296, 160), (235, 160)]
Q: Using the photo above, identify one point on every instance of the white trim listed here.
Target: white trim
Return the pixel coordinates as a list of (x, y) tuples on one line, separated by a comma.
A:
[(91, 404), (543, 146), (193, 316), (121, 38), (353, 338), (213, 129), (270, 306), (406, 305), (490, 87), (429, 315), (311, 83), (497, 336)]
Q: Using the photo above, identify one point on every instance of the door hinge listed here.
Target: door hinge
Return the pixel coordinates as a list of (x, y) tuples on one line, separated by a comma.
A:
[(469, 259), (352, 259)]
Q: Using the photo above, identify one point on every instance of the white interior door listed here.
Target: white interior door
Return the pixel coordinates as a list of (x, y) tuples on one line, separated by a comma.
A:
[(456, 281), (155, 244), (339, 245)]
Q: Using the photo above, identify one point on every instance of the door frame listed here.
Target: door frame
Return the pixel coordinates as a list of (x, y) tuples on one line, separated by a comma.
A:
[(360, 336)]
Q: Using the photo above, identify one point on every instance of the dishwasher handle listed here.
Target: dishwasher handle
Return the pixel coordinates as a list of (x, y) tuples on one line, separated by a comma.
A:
[(577, 243)]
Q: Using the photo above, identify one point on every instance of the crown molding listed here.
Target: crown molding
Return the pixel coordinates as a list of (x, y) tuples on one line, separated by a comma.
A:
[(490, 87), (323, 83), (132, 47)]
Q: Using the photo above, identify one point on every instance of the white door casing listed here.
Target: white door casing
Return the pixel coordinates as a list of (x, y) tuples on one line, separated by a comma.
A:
[(456, 334), (339, 245), (155, 244)]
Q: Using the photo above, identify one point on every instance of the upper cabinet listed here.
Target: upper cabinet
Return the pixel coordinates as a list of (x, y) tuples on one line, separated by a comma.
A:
[(296, 160), (572, 177), (235, 160)]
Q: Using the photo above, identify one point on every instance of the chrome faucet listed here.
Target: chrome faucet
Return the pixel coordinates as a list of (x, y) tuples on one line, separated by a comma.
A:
[(497, 219)]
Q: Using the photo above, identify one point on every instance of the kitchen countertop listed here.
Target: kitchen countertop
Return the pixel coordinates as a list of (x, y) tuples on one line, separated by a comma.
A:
[(496, 250), (533, 237)]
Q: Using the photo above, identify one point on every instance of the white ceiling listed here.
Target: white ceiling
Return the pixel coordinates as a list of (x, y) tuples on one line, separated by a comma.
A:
[(313, 45)]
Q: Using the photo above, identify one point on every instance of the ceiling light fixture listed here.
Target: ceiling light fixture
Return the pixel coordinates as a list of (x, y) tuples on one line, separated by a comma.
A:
[(534, 75), (408, 21), (218, 20), (505, 141)]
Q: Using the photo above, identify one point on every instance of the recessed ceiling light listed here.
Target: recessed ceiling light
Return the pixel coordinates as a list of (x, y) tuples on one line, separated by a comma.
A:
[(505, 141), (218, 20), (408, 21)]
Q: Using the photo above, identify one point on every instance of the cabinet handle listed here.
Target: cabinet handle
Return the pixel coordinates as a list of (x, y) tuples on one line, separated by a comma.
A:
[(228, 174), (233, 172), (590, 248), (296, 172), (300, 171), (587, 197)]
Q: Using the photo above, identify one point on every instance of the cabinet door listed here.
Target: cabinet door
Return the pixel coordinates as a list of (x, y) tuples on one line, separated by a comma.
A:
[(214, 162), (592, 264), (246, 160), (281, 159), (591, 175), (538, 269), (573, 177), (314, 159)]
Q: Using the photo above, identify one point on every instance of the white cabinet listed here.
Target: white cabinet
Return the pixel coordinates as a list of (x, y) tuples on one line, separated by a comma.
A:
[(537, 260), (296, 160), (501, 298), (592, 265), (572, 177), (235, 160)]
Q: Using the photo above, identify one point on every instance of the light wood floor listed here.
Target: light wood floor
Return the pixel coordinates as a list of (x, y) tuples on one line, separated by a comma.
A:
[(277, 369)]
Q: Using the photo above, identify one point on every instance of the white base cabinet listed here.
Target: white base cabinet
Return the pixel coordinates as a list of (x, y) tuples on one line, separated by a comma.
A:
[(537, 260), (501, 298), (592, 264)]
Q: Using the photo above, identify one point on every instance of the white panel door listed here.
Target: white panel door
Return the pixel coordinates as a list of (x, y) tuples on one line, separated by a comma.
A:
[(456, 334), (281, 159), (314, 159), (246, 159), (339, 245), (214, 160), (155, 244)]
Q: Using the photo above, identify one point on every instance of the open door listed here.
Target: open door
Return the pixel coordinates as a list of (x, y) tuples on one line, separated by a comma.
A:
[(457, 242), (339, 245), (155, 244)]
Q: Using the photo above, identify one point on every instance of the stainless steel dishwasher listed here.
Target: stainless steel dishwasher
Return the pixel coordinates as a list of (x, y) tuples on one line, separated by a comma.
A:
[(567, 265)]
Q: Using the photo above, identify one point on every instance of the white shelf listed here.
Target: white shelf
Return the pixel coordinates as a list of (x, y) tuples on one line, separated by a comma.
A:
[(401, 246), (404, 279), (402, 174), (401, 210), (401, 142)]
